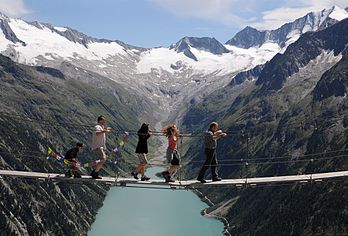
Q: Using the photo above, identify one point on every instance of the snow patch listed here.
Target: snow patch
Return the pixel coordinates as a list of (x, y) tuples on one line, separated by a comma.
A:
[(45, 41), (338, 13), (61, 29), (105, 50), (237, 59), (3, 41)]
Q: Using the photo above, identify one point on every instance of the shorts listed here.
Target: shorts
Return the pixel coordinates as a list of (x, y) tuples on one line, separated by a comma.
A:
[(142, 158), (169, 155), (173, 157), (99, 153)]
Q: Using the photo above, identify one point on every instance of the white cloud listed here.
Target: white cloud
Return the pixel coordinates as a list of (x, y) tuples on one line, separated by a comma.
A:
[(240, 13), (322, 3), (13, 8), (275, 18)]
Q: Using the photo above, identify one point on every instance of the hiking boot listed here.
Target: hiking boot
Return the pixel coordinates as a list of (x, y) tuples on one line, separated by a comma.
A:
[(201, 180), (165, 174), (144, 178), (216, 179), (135, 175), (95, 175), (169, 180), (77, 174), (68, 174)]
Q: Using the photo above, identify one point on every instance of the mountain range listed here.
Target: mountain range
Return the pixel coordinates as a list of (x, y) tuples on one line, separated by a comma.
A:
[(286, 117), (281, 93)]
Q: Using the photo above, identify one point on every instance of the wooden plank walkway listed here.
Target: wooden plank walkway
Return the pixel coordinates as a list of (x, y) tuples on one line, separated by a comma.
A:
[(185, 183)]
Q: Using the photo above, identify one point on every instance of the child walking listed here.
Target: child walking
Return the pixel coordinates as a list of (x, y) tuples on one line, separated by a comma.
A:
[(173, 158), (144, 134), (71, 156)]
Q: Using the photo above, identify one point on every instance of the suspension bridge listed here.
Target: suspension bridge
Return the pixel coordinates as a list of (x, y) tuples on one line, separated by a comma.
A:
[(185, 184)]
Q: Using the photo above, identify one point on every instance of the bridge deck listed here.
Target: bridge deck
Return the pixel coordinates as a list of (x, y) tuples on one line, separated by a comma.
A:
[(184, 183)]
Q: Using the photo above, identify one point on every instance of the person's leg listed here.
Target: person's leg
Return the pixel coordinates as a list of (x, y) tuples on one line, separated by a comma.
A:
[(143, 163), (169, 156), (168, 174), (207, 163), (99, 165), (73, 164), (172, 170), (142, 169), (69, 171), (138, 169), (100, 154), (141, 166), (214, 164), (74, 168), (175, 163)]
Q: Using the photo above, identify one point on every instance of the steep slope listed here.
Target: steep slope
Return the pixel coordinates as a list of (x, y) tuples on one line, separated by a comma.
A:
[(43, 107), (284, 65), (292, 119), (167, 76), (164, 75), (132, 84)]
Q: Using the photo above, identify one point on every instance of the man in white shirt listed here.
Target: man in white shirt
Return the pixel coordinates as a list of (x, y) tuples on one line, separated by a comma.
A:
[(98, 145)]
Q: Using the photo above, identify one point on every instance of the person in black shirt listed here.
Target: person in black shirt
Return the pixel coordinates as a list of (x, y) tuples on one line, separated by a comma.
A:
[(71, 156), (144, 134)]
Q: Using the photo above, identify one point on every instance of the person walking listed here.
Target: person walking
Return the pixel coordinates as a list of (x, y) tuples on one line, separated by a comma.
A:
[(210, 143), (144, 133), (173, 158), (71, 156), (98, 145)]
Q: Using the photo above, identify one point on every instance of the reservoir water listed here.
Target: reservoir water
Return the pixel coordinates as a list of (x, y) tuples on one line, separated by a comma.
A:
[(153, 212)]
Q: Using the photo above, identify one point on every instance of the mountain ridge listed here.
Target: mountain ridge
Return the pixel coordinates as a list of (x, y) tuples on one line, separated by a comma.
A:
[(286, 121), (313, 21)]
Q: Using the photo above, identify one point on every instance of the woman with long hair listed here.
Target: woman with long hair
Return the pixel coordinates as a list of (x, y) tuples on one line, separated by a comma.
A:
[(144, 134), (173, 158)]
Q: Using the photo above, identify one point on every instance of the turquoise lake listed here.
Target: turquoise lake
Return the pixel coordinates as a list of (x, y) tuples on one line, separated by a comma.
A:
[(153, 212)]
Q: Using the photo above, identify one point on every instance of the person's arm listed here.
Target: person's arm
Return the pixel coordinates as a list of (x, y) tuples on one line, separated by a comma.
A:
[(218, 134), (149, 134), (105, 130)]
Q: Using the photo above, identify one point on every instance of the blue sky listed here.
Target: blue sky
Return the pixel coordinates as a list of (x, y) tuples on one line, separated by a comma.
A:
[(152, 23)]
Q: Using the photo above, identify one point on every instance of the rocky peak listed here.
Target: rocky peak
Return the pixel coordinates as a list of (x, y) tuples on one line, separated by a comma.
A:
[(7, 31), (206, 44), (289, 32)]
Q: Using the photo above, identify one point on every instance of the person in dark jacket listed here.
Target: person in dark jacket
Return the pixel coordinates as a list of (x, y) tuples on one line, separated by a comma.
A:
[(144, 134), (210, 144), (71, 156)]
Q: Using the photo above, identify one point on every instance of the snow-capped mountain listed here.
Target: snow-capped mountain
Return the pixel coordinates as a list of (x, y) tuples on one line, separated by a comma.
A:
[(290, 32), (165, 75), (206, 44), (168, 75), (37, 43)]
